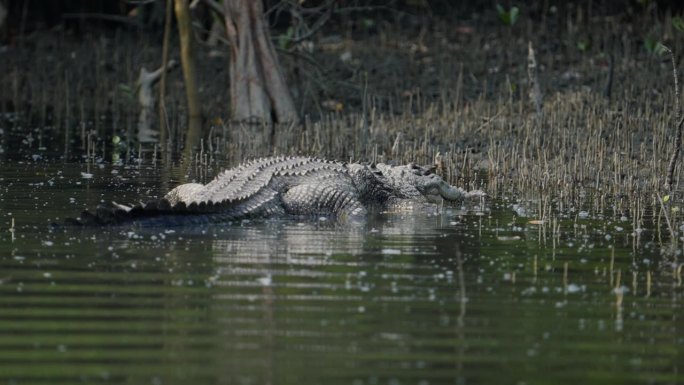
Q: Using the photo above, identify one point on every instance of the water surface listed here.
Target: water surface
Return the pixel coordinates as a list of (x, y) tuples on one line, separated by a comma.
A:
[(458, 298)]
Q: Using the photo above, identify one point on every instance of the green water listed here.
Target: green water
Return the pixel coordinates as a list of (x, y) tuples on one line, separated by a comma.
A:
[(459, 298)]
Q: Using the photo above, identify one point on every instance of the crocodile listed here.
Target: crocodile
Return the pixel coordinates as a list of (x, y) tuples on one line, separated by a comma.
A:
[(288, 186)]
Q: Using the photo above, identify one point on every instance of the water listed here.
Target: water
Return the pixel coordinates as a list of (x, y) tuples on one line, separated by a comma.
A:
[(453, 299)]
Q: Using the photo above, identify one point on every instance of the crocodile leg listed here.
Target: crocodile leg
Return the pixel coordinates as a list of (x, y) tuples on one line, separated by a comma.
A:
[(324, 199), (184, 193)]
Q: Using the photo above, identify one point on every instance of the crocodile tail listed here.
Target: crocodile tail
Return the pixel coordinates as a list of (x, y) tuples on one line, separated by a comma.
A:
[(116, 214)]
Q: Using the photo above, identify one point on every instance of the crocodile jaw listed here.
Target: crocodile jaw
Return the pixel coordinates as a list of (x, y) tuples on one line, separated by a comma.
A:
[(450, 193)]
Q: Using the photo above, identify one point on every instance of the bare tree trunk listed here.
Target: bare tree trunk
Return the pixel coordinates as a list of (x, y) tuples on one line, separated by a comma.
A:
[(3, 15), (147, 80), (258, 89), (187, 59), (164, 134)]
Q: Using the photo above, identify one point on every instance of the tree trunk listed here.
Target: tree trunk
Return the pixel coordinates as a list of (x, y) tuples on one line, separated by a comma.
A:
[(147, 80), (188, 60), (164, 132), (258, 89), (3, 15)]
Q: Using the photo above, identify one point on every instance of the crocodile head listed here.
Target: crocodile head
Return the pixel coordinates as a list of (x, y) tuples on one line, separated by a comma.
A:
[(421, 184)]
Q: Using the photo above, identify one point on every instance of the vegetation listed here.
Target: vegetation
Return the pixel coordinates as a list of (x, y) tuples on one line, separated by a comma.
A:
[(508, 17), (389, 81)]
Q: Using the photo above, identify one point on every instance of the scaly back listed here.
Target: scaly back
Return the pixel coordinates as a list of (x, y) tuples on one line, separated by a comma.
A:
[(251, 178)]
